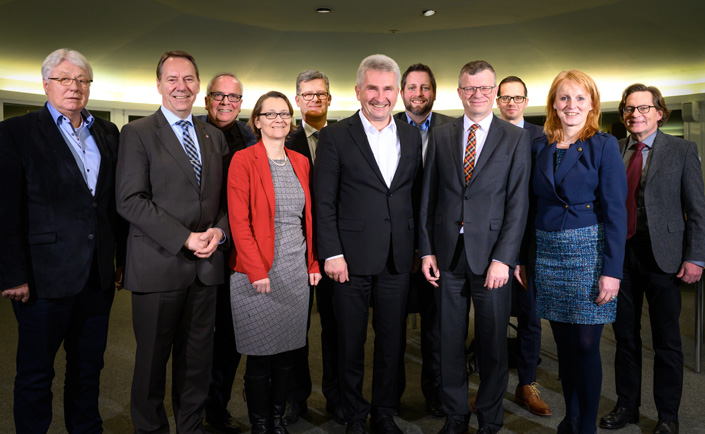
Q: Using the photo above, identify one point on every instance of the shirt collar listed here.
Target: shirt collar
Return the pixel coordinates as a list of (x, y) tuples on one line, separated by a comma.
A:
[(425, 125), (369, 128), (484, 123), (59, 118), (520, 124), (308, 129), (649, 141), (172, 118)]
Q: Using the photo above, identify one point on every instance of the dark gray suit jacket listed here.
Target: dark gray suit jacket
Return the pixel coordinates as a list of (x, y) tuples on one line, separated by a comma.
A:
[(436, 120), (157, 192), (298, 142), (492, 208), (674, 190), (357, 214), (535, 131)]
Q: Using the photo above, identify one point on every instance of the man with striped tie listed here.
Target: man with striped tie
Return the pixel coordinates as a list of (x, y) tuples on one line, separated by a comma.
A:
[(475, 194), (169, 180)]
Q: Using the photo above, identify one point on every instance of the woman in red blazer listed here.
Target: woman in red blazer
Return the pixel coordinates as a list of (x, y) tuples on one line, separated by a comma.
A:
[(269, 206)]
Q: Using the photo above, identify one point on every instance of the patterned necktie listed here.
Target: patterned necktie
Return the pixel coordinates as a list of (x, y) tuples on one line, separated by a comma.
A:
[(634, 169), (191, 151), (469, 160)]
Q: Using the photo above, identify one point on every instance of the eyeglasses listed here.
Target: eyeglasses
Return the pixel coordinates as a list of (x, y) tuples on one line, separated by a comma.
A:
[(322, 96), (65, 81), (219, 96), (273, 115), (470, 90), (517, 99), (643, 109)]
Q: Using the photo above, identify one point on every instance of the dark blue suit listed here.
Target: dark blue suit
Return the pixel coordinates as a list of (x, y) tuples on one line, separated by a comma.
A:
[(60, 239)]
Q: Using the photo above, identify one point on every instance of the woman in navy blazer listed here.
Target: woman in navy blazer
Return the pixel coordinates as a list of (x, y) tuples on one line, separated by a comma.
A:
[(273, 259), (579, 192)]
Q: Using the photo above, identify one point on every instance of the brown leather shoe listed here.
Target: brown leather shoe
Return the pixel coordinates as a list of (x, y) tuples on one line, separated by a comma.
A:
[(528, 396)]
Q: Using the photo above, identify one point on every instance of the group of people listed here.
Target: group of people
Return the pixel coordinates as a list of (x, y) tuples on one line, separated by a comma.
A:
[(223, 231)]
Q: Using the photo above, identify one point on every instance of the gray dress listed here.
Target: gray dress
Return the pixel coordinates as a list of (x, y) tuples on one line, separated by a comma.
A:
[(267, 324)]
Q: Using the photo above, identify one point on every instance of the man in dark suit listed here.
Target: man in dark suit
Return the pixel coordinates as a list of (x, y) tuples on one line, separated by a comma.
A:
[(665, 246), (169, 179), (223, 103), (58, 236), (473, 211), (512, 100), (313, 99), (366, 170), (418, 92)]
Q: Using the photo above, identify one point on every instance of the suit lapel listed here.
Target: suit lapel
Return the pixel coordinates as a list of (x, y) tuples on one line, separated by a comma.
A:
[(572, 156), (406, 151), (264, 172), (658, 154), (166, 136), (55, 142), (106, 156), (204, 143), (457, 137), (544, 162), (357, 132)]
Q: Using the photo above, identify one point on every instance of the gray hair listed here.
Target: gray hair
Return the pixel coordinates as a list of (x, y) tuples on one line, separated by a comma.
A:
[(309, 75), (224, 74), (377, 62), (476, 67), (56, 57)]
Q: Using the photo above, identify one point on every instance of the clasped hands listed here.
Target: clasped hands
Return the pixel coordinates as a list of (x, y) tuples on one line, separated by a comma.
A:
[(203, 244)]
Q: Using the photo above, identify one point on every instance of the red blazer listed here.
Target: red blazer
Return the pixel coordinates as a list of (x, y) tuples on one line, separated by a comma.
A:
[(251, 211)]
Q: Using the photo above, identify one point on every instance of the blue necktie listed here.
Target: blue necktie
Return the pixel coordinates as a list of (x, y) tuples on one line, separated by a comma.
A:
[(191, 151)]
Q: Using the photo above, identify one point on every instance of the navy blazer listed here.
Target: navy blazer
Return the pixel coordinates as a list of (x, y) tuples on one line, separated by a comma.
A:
[(589, 187)]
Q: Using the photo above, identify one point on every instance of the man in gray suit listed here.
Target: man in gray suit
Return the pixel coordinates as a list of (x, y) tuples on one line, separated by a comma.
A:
[(418, 92), (665, 246), (169, 178), (475, 166)]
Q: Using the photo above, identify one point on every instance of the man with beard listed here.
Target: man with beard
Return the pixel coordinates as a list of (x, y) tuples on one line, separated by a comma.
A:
[(313, 99), (418, 92), (223, 102)]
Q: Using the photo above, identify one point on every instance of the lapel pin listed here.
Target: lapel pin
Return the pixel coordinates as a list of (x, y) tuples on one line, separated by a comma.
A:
[(579, 149), (207, 136)]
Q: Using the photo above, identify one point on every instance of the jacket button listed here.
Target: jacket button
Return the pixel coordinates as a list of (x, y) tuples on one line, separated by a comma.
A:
[(91, 236), (580, 149), (95, 204), (387, 220), (588, 206), (565, 206)]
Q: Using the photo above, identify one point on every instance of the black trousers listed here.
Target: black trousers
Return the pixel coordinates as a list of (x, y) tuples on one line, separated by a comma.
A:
[(458, 286), (642, 277), (351, 300), (81, 323), (528, 332), (226, 358)]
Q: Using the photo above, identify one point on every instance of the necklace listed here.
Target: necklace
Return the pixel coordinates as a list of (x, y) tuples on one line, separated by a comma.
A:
[(275, 163)]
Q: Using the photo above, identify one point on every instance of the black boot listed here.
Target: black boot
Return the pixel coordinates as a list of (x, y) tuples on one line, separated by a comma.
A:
[(258, 404), (280, 384)]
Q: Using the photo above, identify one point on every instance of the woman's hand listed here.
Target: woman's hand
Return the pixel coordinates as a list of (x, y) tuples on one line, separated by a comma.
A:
[(262, 286), (609, 288), (314, 278)]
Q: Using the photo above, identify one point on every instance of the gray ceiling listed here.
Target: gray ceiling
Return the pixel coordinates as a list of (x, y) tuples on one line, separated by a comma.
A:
[(268, 42)]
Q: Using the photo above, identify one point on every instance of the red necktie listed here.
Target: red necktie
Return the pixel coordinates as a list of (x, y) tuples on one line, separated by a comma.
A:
[(633, 179), (470, 149)]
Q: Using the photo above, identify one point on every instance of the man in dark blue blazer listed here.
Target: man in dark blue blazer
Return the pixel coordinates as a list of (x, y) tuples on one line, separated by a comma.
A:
[(665, 247), (474, 206), (418, 92), (313, 99), (223, 103), (58, 236), (366, 172), (512, 100)]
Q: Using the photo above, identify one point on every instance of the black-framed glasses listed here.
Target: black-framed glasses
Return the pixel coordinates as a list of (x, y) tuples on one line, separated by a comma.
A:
[(219, 96), (643, 109), (517, 99), (322, 96), (470, 90), (65, 81), (273, 115)]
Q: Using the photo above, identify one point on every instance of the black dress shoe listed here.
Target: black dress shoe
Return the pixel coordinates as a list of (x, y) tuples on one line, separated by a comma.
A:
[(337, 412), (486, 430), (434, 407), (568, 426), (455, 425), (356, 427), (221, 422), (619, 417), (666, 427), (294, 411), (384, 424)]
